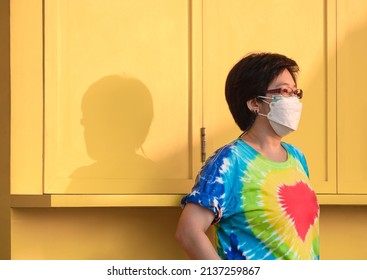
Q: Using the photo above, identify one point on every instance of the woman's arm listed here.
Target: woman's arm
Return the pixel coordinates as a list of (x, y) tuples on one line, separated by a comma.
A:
[(191, 232)]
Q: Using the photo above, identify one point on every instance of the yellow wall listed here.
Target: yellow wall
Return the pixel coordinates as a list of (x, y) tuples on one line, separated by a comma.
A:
[(119, 232), (148, 233), (95, 233), (343, 232), (4, 130)]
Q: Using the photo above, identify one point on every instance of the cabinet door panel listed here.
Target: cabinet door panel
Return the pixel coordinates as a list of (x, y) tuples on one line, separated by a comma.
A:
[(26, 97), (118, 100), (231, 29), (352, 97)]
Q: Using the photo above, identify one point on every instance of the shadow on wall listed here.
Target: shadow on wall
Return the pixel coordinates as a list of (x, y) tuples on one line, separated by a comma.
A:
[(116, 115)]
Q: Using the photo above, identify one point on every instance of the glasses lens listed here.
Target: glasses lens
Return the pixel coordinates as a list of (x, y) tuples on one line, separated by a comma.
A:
[(287, 92), (290, 92)]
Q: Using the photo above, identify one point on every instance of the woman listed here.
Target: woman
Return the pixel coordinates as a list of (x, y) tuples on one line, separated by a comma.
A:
[(255, 190)]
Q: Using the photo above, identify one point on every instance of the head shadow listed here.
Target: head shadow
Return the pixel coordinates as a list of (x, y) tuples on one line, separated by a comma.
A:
[(116, 116)]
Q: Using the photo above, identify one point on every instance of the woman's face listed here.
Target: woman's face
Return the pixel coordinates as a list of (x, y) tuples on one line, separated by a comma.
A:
[(284, 80)]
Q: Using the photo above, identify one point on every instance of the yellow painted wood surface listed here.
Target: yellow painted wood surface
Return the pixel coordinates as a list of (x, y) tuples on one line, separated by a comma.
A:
[(26, 97), (119, 104), (298, 29), (129, 200), (352, 97), (148, 233), (89, 226), (5, 130), (95, 233)]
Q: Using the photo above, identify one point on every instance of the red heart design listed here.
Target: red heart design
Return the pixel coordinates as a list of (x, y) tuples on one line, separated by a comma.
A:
[(300, 204)]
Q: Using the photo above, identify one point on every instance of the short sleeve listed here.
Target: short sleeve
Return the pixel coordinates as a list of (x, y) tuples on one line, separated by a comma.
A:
[(209, 189)]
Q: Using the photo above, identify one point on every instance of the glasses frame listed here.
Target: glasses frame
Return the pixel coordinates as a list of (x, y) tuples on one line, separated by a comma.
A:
[(289, 92)]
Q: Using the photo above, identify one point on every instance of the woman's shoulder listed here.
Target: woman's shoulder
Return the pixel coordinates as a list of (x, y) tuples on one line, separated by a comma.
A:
[(296, 153), (293, 150), (230, 151)]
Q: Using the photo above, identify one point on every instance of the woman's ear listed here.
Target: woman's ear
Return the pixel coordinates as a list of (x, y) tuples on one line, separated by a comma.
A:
[(253, 105)]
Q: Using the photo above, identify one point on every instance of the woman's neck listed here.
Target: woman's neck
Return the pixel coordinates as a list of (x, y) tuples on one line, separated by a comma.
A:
[(266, 142)]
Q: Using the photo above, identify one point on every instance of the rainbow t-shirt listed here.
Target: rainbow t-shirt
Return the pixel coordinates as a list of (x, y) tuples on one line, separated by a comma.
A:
[(263, 209)]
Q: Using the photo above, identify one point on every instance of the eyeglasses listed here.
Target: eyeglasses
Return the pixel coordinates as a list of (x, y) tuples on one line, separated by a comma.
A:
[(287, 92)]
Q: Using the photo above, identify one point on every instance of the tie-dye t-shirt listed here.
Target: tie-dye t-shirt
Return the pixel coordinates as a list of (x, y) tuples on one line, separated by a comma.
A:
[(263, 209)]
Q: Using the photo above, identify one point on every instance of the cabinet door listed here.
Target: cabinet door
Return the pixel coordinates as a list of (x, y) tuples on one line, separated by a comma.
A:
[(119, 109), (352, 96), (298, 29)]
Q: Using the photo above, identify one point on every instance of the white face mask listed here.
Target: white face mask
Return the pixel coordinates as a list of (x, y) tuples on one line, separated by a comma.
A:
[(284, 114)]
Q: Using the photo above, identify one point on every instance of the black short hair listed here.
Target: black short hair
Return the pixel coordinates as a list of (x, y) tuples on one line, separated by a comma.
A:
[(250, 78)]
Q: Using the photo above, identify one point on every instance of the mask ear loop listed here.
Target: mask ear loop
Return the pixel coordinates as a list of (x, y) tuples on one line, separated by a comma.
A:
[(256, 111), (253, 110)]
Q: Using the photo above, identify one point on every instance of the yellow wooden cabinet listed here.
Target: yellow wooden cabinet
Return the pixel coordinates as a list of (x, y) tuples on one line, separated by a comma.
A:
[(112, 91), (352, 96), (108, 98), (301, 30), (327, 39)]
